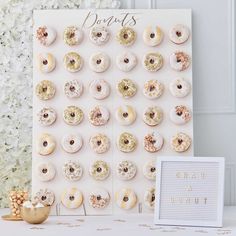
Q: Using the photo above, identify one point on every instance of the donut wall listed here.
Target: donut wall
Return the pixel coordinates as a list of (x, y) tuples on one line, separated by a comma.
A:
[(112, 92)]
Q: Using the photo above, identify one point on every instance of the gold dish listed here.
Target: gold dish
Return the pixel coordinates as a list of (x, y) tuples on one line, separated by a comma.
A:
[(11, 218)]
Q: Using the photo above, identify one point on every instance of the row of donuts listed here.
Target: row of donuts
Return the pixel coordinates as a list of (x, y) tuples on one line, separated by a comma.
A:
[(100, 89), (99, 198), (126, 61)]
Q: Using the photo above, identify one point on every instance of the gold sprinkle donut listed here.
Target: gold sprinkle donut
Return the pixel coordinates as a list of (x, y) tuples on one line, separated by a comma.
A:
[(45, 90), (153, 61), (126, 88), (73, 62), (73, 35), (126, 36), (126, 142), (73, 115), (99, 170), (180, 142)]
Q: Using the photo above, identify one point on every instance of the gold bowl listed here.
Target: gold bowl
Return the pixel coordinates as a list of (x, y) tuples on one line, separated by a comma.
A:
[(35, 215)]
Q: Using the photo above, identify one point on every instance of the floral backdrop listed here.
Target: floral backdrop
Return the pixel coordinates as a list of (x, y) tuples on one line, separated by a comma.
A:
[(16, 86)]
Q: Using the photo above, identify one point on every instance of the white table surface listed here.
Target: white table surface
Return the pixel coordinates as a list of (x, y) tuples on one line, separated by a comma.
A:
[(112, 226)]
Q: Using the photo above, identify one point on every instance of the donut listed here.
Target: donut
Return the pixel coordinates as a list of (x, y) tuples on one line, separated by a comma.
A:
[(180, 142), (126, 88), (99, 62), (99, 115), (45, 196), (125, 115), (125, 198), (46, 144), (179, 61), (46, 62), (99, 35), (99, 89), (73, 62), (73, 115), (153, 61), (46, 171), (99, 198), (179, 34), (180, 115), (71, 198), (126, 142), (99, 170), (149, 170), (71, 143), (99, 143), (153, 116), (149, 198), (126, 170), (153, 89), (153, 142), (73, 35), (47, 116), (45, 35), (126, 61), (72, 170), (73, 88), (126, 36), (179, 88), (45, 90), (152, 36)]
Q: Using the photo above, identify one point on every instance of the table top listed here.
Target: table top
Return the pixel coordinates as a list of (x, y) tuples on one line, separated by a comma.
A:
[(112, 225)]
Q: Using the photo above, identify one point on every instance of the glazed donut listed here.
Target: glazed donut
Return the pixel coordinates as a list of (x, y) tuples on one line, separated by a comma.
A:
[(73, 115), (46, 144), (126, 170), (125, 115), (99, 35), (153, 142), (180, 115), (73, 88), (99, 62), (47, 116), (149, 170), (71, 143), (99, 198), (45, 90), (149, 198), (126, 61), (153, 116), (179, 61), (126, 142), (126, 88), (153, 61), (45, 35), (153, 89), (99, 170), (179, 34), (126, 36), (72, 170), (99, 89), (73, 35), (45, 196), (46, 171), (179, 88), (125, 198), (99, 115), (71, 198), (180, 142), (73, 62), (152, 36), (99, 143), (46, 62)]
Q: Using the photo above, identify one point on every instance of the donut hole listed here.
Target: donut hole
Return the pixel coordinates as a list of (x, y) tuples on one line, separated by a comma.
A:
[(71, 170), (152, 35), (153, 197), (99, 142), (72, 35), (153, 169), (72, 142), (99, 169), (99, 88), (45, 34), (98, 197), (178, 59), (45, 88), (151, 61), (45, 143), (45, 62), (43, 198), (126, 60), (72, 114), (151, 88), (179, 86), (71, 198), (125, 198), (125, 114), (125, 169), (125, 36), (98, 115), (72, 88), (179, 113), (151, 115), (126, 87), (126, 141), (180, 141), (178, 33), (44, 170), (45, 115), (99, 34), (153, 141), (72, 61), (99, 61)]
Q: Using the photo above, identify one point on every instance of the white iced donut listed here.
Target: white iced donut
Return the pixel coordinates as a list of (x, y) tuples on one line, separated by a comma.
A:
[(73, 88), (99, 89), (126, 61), (99, 62), (72, 170), (153, 89), (46, 144), (179, 61), (153, 116), (71, 198), (47, 116), (46, 35), (180, 115), (179, 34), (179, 88), (99, 198), (99, 35), (46, 171), (72, 143), (153, 142), (45, 196), (149, 198), (99, 115), (99, 143), (125, 198), (126, 170), (149, 170), (180, 142), (152, 36), (73, 35), (46, 62), (153, 61), (125, 115), (99, 170), (73, 62)]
